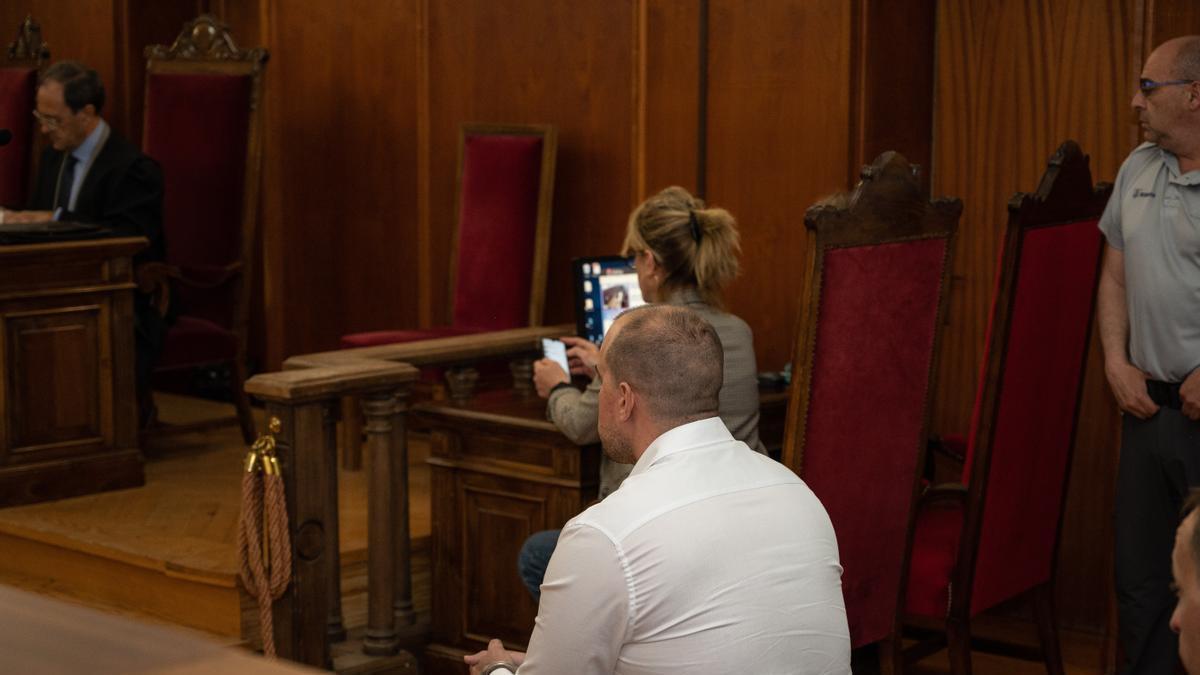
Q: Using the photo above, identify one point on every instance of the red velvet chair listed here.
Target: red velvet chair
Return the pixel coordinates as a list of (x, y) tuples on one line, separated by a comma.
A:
[(501, 244), (976, 547), (202, 125), (18, 97), (505, 194), (865, 358)]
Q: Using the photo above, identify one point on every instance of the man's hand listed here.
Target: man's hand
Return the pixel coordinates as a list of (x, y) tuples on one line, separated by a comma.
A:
[(495, 653), (581, 355), (547, 374), (1129, 387), (1189, 394), (28, 216)]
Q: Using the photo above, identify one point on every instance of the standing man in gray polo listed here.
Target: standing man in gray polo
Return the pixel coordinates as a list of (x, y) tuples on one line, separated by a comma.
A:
[(1149, 319)]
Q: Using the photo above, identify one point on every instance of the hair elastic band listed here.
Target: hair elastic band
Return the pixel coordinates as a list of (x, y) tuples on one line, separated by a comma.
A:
[(695, 225)]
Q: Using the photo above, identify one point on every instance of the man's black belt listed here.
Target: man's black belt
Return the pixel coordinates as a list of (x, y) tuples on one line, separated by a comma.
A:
[(1165, 394)]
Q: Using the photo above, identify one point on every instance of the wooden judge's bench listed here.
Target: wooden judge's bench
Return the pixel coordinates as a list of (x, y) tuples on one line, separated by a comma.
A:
[(68, 412), (501, 472)]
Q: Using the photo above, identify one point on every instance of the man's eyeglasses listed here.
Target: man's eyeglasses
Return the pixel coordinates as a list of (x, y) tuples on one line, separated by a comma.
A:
[(1146, 85), (46, 120)]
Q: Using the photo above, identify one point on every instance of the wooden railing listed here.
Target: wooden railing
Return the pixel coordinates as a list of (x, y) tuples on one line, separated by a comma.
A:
[(306, 397)]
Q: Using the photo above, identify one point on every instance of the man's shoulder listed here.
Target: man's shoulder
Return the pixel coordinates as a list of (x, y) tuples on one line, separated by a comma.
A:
[(1143, 156), (681, 481), (118, 149)]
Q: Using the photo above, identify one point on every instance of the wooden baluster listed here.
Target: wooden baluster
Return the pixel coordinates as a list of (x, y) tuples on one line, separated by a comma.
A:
[(335, 629), (403, 605), (380, 639), (300, 615)]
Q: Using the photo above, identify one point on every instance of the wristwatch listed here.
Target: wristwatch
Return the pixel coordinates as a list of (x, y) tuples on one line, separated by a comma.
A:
[(499, 665)]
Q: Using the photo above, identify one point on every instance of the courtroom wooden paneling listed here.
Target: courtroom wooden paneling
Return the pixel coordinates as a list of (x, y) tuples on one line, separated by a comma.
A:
[(339, 185), (1013, 80), (668, 80), (778, 138), (891, 100), (140, 23)]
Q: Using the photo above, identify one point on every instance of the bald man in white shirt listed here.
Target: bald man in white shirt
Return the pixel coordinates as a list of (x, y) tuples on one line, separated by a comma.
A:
[(711, 557)]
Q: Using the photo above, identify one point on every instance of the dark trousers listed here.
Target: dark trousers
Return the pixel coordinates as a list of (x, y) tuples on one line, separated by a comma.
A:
[(1160, 461), (149, 334)]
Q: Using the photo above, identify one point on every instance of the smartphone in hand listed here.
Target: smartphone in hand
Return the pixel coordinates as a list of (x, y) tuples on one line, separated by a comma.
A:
[(556, 351)]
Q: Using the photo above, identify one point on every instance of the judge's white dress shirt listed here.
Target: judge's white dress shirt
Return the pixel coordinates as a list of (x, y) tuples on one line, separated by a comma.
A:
[(710, 558)]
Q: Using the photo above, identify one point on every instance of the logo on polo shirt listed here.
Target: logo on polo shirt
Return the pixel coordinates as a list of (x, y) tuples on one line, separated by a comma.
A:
[(1138, 192)]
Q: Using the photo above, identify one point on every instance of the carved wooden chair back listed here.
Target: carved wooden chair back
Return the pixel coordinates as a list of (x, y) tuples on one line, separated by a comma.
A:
[(867, 347), (202, 124), (998, 538), (25, 57)]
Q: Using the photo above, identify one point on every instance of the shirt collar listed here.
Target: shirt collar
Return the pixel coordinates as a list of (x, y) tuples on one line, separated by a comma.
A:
[(682, 439), (1172, 164), (88, 147)]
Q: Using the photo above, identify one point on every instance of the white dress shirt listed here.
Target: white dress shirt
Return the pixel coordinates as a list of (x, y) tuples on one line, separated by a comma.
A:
[(710, 558)]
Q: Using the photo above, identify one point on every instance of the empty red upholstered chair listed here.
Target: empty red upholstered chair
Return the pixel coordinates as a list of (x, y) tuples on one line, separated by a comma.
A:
[(865, 357), (202, 126), (18, 98), (505, 193), (977, 546)]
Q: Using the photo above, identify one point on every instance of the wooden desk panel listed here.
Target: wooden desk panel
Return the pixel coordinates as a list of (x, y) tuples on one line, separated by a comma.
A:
[(500, 472), (67, 403)]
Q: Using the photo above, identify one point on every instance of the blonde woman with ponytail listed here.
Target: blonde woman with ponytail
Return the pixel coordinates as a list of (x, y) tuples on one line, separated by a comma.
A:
[(685, 253)]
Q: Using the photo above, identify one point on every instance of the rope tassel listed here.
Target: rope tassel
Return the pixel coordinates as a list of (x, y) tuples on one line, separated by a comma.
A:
[(263, 543)]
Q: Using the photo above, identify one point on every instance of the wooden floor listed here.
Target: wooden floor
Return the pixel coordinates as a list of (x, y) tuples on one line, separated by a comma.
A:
[(109, 550), (181, 526)]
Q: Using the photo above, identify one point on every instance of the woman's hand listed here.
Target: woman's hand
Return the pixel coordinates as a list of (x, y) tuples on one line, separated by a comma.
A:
[(546, 375), (581, 355)]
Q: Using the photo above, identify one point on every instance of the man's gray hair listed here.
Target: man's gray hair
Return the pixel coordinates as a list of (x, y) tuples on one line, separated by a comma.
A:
[(1187, 59), (81, 85), (673, 357)]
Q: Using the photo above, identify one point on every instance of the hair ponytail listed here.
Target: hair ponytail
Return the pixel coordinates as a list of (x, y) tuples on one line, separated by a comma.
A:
[(696, 245)]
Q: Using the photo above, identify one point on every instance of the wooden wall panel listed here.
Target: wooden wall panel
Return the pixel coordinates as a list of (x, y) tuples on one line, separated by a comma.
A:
[(141, 23), (339, 184), (778, 139), (668, 78), (1013, 80), (530, 61)]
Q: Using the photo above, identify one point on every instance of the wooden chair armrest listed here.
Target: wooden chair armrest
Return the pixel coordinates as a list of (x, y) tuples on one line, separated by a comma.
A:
[(944, 492)]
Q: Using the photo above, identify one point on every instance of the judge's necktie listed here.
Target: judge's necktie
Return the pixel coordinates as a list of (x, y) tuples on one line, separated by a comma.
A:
[(66, 182)]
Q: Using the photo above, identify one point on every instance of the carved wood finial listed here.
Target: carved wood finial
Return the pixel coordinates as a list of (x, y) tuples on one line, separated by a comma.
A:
[(1064, 189), (889, 194), (205, 39), (28, 45)]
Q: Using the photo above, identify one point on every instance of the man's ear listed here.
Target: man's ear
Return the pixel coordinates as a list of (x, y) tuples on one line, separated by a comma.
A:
[(626, 401)]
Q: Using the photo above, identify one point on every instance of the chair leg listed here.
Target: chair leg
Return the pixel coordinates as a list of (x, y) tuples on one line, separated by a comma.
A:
[(352, 429), (958, 642), (242, 402), (1043, 610), (891, 655)]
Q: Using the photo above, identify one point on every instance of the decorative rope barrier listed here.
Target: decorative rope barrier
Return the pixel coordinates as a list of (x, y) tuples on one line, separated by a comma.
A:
[(263, 544)]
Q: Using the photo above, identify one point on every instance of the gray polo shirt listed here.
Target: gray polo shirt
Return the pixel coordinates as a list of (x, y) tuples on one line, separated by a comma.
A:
[(1153, 217)]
